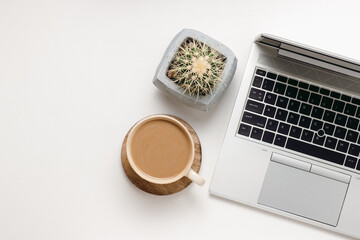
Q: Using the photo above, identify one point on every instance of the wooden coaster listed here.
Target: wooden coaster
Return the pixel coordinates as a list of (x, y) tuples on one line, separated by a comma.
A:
[(162, 189)]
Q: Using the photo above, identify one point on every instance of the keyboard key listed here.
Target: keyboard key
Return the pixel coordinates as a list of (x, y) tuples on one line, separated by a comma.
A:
[(244, 129), (350, 162), (352, 123), (340, 132), (254, 119), (316, 125), (326, 102), (293, 118), (295, 132), (282, 79), (291, 92), (281, 114), (329, 129), (280, 140), (325, 91), (318, 140), (346, 98), (303, 85), (272, 124), (350, 109), (305, 109), (338, 106), (303, 95), (284, 128), (352, 136), (342, 146), (315, 151), (255, 107), (305, 122), (257, 81), (268, 137), (315, 98), (268, 84), (257, 94), (354, 150), (358, 167), (335, 95), (330, 142), (358, 112), (279, 88), (282, 102), (329, 116), (260, 72), (256, 133), (355, 101), (294, 105), (293, 82), (317, 112), (314, 88), (270, 98), (307, 135), (271, 75), (269, 111), (340, 119)]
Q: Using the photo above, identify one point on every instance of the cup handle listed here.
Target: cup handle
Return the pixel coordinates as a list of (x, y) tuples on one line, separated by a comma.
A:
[(196, 178)]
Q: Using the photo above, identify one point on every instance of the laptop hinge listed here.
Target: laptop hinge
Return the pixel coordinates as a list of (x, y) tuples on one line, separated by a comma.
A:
[(319, 63), (310, 55)]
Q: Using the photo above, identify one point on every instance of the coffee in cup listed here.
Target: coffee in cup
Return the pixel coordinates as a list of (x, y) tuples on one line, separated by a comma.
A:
[(160, 149)]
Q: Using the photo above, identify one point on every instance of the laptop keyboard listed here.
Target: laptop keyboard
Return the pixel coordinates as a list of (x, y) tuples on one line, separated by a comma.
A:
[(302, 117)]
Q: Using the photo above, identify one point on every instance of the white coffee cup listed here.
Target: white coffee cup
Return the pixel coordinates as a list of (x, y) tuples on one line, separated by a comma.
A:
[(186, 171)]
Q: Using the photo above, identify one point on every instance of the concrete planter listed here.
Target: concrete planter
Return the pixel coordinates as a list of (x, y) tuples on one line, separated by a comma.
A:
[(165, 84)]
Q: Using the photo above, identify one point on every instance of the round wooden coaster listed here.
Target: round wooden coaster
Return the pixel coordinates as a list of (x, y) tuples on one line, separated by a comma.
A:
[(162, 189)]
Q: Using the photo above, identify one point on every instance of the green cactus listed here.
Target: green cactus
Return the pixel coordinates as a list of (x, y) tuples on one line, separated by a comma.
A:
[(196, 68)]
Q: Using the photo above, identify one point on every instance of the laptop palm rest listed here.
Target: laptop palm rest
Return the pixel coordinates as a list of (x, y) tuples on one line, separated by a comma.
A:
[(296, 189)]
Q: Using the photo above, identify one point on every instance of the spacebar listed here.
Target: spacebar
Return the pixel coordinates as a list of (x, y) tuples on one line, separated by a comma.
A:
[(315, 151)]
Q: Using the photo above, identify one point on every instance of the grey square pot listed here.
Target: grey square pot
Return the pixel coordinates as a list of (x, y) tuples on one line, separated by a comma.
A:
[(165, 84)]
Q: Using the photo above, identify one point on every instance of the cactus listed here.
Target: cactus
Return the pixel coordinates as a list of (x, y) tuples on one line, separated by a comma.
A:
[(196, 68)]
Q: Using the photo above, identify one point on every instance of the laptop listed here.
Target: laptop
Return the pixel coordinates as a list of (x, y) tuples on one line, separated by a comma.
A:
[(292, 144)]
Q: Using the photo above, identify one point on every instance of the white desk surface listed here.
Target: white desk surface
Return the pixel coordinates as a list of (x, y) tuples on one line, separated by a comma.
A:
[(74, 77)]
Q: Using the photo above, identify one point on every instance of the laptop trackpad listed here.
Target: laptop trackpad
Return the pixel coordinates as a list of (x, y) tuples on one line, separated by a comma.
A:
[(303, 193)]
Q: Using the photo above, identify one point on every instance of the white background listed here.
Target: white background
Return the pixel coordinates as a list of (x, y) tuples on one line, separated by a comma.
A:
[(75, 76)]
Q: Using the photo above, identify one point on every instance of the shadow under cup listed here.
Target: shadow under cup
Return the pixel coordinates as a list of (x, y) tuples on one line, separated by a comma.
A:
[(160, 149)]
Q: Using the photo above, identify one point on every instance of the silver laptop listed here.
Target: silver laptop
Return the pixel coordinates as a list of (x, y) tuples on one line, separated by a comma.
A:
[(292, 144)]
